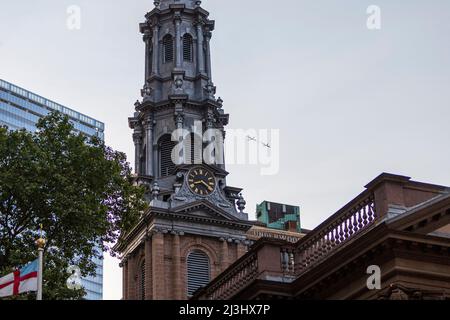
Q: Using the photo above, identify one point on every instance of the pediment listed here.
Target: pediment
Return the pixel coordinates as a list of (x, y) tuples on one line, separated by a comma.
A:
[(203, 208)]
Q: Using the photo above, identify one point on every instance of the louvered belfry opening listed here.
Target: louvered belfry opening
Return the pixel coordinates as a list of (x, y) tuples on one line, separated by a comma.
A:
[(142, 284), (198, 271), (168, 48), (187, 47), (166, 165), (193, 154)]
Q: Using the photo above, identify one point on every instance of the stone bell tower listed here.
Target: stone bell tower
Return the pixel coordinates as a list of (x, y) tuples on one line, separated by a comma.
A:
[(195, 226)]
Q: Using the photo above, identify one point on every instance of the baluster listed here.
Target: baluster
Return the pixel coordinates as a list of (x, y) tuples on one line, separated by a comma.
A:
[(335, 235), (374, 210), (331, 239), (350, 218), (355, 221), (371, 213), (302, 257), (341, 232), (328, 242), (302, 260), (305, 258), (286, 253), (319, 246), (313, 252), (365, 221), (359, 220), (323, 249), (308, 257), (324, 243), (292, 262), (346, 231)]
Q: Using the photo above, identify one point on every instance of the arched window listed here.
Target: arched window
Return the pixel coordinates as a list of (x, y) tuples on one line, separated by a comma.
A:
[(165, 146), (168, 48), (198, 271), (142, 282), (187, 47)]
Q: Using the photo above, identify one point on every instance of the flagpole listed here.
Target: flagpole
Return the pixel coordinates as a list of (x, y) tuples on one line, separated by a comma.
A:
[(41, 244)]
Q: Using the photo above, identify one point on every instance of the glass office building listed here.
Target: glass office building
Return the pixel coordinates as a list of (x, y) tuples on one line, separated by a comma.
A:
[(20, 108)]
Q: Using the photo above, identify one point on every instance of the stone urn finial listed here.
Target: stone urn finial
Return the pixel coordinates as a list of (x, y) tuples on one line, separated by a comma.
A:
[(220, 102), (241, 203), (155, 190)]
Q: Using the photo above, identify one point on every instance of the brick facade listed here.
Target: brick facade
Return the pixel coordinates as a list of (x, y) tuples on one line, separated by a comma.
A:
[(165, 256)]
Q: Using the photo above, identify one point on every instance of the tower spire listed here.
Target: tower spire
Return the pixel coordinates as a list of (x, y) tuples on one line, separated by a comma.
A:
[(179, 96), (177, 55)]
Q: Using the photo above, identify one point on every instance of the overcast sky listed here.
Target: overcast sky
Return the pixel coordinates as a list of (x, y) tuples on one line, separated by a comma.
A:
[(350, 103)]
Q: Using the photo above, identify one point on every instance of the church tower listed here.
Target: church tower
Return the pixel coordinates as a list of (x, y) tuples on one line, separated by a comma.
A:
[(195, 226)]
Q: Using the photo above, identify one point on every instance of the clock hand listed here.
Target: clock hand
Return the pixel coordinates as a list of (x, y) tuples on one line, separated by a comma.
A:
[(207, 185)]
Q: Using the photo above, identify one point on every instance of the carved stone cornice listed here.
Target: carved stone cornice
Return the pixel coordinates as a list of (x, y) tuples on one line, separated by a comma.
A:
[(238, 225)]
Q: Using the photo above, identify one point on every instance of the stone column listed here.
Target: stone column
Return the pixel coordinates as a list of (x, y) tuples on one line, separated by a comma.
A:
[(176, 256), (208, 35), (225, 262), (158, 267), (137, 138), (148, 55), (149, 143), (125, 279), (155, 63), (178, 57), (200, 57), (148, 269)]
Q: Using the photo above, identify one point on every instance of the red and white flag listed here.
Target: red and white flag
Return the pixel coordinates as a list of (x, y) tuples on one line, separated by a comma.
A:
[(20, 281)]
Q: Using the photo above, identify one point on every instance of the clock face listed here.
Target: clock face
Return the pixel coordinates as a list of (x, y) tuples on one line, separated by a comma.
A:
[(201, 181)]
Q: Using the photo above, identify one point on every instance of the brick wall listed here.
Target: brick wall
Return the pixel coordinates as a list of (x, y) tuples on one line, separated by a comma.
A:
[(165, 257)]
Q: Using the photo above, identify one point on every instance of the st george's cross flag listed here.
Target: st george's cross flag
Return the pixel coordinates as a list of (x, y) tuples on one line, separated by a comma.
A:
[(20, 281)]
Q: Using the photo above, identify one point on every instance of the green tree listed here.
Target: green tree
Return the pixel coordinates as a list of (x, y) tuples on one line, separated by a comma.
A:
[(80, 190)]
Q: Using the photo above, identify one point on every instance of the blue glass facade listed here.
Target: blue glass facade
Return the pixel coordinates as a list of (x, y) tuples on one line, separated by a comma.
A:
[(21, 109)]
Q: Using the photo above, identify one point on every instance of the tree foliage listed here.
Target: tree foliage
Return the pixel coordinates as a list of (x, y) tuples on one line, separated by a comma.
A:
[(80, 190)]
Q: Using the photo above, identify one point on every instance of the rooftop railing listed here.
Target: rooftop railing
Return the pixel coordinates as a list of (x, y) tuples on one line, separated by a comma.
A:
[(337, 230), (277, 260), (280, 261)]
